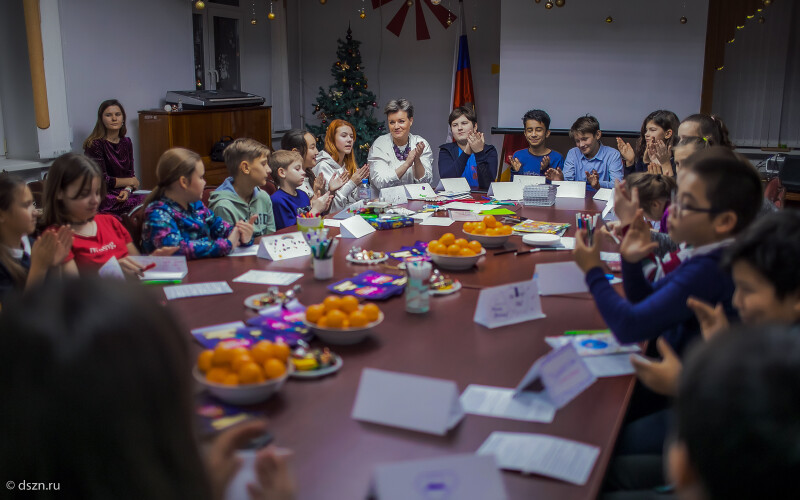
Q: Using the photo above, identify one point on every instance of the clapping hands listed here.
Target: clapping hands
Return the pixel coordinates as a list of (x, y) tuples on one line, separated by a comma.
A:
[(626, 151)]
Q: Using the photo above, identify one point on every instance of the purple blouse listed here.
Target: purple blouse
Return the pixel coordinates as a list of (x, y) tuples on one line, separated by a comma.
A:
[(115, 160)]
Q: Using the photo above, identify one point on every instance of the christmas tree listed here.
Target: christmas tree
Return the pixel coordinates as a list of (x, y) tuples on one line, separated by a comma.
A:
[(348, 99)]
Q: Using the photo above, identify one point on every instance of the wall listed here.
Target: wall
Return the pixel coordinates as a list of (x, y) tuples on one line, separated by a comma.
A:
[(420, 71)]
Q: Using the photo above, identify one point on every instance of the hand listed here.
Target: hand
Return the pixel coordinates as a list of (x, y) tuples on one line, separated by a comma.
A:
[(659, 376), (515, 164), (593, 178), (545, 164), (626, 151), (659, 152), (130, 266), (476, 142), (165, 251), (637, 243), (712, 319), (133, 182), (587, 257), (363, 172), (234, 237), (321, 204), (554, 174), (419, 149), (64, 235), (337, 181), (45, 249), (275, 481), (123, 195), (319, 185), (246, 229), (625, 203)]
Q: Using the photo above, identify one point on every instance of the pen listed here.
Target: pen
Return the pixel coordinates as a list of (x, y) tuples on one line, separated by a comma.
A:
[(149, 266), (161, 282), (506, 251)]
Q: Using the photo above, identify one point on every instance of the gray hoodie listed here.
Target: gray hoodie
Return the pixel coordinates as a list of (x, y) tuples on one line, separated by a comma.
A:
[(228, 205)]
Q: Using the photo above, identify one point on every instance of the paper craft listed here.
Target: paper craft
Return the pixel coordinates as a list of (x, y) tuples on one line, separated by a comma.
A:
[(464, 216), (437, 221), (454, 185), (563, 374), (271, 323), (407, 401), (283, 246), (508, 304), (244, 251), (268, 277), (528, 180), (499, 211), (197, 290), (396, 195), (535, 226), (370, 285), (111, 269), (549, 456), (505, 191), (570, 189), (603, 194), (462, 477), (420, 191), (500, 402), (355, 227), (167, 268), (610, 257)]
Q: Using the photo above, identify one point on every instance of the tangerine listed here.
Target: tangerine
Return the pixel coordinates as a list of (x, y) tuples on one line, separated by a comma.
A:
[(490, 221), (371, 311), (335, 319), (447, 239), (315, 312), (480, 228), (238, 351), (491, 231), (475, 246), (331, 303), (453, 249), (349, 304), (466, 252), (461, 242), (437, 248), (432, 242), (274, 368), (217, 375), (222, 355), (505, 230), (468, 227), (358, 319), (204, 360), (261, 351), (250, 373), (240, 360), (231, 379), (281, 351), (323, 322)]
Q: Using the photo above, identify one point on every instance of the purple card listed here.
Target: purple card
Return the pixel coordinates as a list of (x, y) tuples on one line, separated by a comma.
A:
[(370, 285)]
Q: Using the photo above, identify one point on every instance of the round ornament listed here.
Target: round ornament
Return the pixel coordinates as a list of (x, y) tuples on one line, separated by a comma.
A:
[(609, 19), (767, 3), (358, 109), (362, 15), (271, 16), (253, 21), (560, 3), (374, 104), (323, 2), (548, 5), (436, 2), (449, 21), (199, 5), (684, 20), (344, 80), (474, 27), (409, 2)]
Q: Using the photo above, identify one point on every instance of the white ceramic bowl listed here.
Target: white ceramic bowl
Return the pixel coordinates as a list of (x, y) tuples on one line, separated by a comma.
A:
[(344, 336), (541, 239), (488, 241), (246, 394), (456, 262)]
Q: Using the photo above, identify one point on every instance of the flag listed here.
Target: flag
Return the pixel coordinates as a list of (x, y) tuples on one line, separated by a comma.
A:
[(463, 92)]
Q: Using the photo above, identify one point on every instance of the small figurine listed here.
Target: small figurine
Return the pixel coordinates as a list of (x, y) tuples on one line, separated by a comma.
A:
[(275, 296)]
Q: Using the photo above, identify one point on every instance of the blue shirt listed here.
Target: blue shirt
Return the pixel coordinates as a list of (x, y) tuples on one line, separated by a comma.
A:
[(532, 164), (284, 207), (607, 162)]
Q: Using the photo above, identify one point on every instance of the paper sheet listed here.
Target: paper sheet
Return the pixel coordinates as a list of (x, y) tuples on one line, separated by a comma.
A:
[(197, 290), (500, 402), (506, 191), (612, 365), (167, 268), (456, 184), (420, 191), (437, 221), (550, 456), (396, 195), (111, 269), (244, 251), (508, 304), (472, 207), (465, 216), (331, 223), (603, 194), (557, 278), (422, 215), (526, 180), (268, 277)]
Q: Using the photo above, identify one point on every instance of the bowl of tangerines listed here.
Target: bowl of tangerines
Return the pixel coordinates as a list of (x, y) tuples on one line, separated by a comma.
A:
[(342, 320), (241, 375), (456, 254), (489, 232)]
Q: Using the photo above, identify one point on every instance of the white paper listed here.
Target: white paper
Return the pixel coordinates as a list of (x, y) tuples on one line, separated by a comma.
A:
[(506, 191), (462, 477), (550, 456), (422, 215), (396, 195), (472, 207), (408, 401), (331, 223), (142, 192), (568, 242), (610, 257), (197, 290), (167, 268), (465, 216), (603, 194), (593, 344), (563, 374), (283, 246), (244, 251), (508, 304), (355, 227), (420, 191), (454, 185), (612, 365), (500, 402), (556, 278), (608, 211), (237, 487), (346, 212), (111, 269), (570, 189), (437, 221), (268, 277), (527, 180), (222, 330)]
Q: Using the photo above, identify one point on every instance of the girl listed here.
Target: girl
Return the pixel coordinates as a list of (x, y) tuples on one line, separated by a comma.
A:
[(658, 136), (710, 127), (113, 152), (175, 216), (686, 147), (72, 193), (305, 144), (339, 160), (22, 266), (120, 364), (655, 192)]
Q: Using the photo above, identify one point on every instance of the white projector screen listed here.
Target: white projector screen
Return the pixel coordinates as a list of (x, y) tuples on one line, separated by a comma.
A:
[(570, 62)]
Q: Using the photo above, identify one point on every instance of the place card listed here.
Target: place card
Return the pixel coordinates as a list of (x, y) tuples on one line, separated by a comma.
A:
[(111, 269), (283, 246), (355, 227), (420, 191), (563, 374), (603, 194), (508, 304), (570, 189), (527, 180), (396, 195), (454, 185), (506, 191), (558, 278), (608, 211), (268, 278), (437, 221)]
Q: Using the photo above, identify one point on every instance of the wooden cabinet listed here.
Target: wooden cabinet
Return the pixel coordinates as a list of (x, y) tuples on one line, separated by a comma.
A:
[(197, 130)]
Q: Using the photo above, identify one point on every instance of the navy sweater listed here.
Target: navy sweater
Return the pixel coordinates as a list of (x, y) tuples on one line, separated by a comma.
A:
[(452, 165)]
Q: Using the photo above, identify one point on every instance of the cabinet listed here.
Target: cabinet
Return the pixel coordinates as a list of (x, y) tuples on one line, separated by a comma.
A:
[(197, 130)]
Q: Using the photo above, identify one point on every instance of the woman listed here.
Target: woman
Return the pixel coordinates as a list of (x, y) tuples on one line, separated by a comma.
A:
[(469, 157), (399, 157)]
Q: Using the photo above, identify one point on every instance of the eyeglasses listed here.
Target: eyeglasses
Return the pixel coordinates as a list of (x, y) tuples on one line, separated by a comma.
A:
[(680, 208)]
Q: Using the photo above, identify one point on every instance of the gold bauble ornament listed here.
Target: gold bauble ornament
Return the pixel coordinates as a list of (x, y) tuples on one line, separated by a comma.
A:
[(436, 2), (560, 3), (362, 15), (684, 20), (271, 16), (538, 1), (449, 21), (199, 5), (609, 19), (474, 27), (410, 2), (761, 20), (358, 109), (548, 5), (253, 21), (344, 80), (323, 2), (767, 3)]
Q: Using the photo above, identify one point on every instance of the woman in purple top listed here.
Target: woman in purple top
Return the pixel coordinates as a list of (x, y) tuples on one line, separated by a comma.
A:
[(113, 152)]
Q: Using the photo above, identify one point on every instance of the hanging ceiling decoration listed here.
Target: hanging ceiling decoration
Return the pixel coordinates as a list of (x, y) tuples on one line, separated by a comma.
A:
[(442, 14)]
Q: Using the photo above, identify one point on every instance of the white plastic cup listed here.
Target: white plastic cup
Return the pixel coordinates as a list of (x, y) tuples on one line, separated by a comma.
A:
[(417, 289), (323, 268)]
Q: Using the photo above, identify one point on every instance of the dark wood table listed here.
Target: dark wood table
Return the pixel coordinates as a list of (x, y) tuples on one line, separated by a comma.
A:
[(334, 454)]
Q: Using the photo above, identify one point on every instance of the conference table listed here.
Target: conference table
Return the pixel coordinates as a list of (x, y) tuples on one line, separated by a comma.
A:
[(335, 454)]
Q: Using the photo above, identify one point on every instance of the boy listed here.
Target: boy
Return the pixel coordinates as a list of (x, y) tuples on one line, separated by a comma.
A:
[(289, 175), (590, 160), (538, 158), (240, 197), (469, 156)]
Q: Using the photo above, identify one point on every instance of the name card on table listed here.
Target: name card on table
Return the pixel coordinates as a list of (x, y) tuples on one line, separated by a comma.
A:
[(166, 268), (420, 191), (111, 269), (465, 477), (283, 246), (608, 211), (396, 195), (557, 278), (603, 194), (349, 209), (563, 374), (455, 185), (407, 401), (355, 227), (570, 189), (508, 304), (506, 191), (530, 180)]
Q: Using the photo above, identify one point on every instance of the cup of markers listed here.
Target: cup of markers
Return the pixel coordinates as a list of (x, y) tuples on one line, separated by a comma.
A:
[(306, 220), (587, 222), (322, 249)]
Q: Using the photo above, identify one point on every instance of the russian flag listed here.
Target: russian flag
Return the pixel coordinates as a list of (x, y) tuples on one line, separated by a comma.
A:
[(463, 92)]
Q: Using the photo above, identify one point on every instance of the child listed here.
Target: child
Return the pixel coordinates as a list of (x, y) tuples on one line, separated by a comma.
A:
[(23, 265), (659, 134), (469, 156), (655, 192), (337, 159), (113, 152), (709, 127), (72, 193), (288, 174), (99, 377), (240, 197), (589, 161), (176, 217), (304, 143), (538, 158)]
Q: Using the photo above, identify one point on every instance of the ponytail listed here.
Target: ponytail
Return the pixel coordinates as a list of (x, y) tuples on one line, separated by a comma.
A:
[(173, 164)]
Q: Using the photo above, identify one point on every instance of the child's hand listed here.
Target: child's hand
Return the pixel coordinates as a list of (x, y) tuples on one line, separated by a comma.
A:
[(234, 237), (221, 460), (165, 251), (45, 249), (637, 243), (593, 178), (336, 182), (321, 204), (476, 142), (123, 195), (64, 238), (362, 173), (130, 266), (712, 319), (275, 480), (319, 185), (545, 164), (515, 164), (626, 151), (625, 203), (587, 257), (246, 229), (659, 376), (554, 174)]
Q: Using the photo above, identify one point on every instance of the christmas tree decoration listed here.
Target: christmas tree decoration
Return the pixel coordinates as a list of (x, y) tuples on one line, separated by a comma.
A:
[(684, 20), (271, 15), (761, 20), (361, 12), (560, 3), (323, 2), (436, 2), (199, 5), (362, 15), (474, 27), (441, 13), (767, 3), (548, 5), (348, 100), (253, 19), (609, 19)]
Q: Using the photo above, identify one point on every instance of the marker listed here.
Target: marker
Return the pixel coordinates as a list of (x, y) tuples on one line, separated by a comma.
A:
[(609, 277), (149, 266), (161, 282)]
